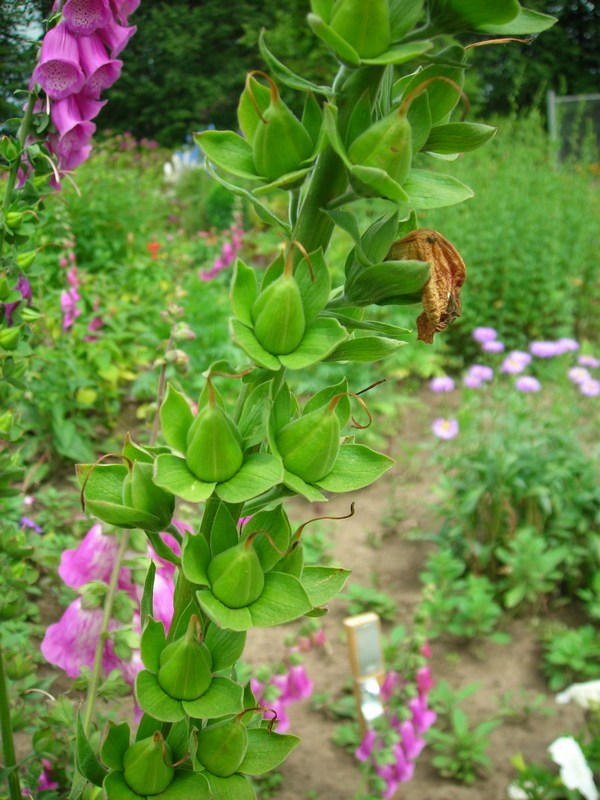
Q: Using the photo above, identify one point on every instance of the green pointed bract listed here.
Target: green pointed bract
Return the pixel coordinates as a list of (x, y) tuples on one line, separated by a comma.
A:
[(214, 446), (309, 446), (364, 24), (386, 145), (281, 143), (147, 766), (278, 314), (185, 671), (222, 747), (236, 576)]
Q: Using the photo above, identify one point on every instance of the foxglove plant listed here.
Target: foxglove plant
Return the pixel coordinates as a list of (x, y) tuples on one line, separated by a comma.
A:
[(402, 67)]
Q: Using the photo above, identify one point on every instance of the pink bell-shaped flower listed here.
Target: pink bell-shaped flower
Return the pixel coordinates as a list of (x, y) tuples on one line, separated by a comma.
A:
[(88, 107), (84, 17), (58, 71), (115, 36), (100, 70), (123, 8)]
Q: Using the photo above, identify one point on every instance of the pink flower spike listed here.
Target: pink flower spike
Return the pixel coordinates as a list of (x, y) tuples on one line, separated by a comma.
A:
[(363, 752), (58, 71), (422, 716), (424, 680), (412, 745), (100, 70), (83, 17), (123, 8)]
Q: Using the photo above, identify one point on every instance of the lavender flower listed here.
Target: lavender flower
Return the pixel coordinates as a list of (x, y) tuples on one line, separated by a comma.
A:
[(515, 362), (493, 347), (442, 384), (579, 375), (482, 335), (445, 428), (588, 361), (590, 388), (527, 384), (544, 349)]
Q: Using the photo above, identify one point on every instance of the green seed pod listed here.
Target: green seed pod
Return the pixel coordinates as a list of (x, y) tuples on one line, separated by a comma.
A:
[(309, 446), (222, 747), (185, 670), (281, 143), (387, 145), (4, 287), (214, 446), (278, 314), (364, 25), (9, 338), (147, 766), (236, 576)]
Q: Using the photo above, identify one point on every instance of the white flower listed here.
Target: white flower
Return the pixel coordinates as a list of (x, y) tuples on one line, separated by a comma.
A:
[(575, 772), (586, 695), (514, 792)]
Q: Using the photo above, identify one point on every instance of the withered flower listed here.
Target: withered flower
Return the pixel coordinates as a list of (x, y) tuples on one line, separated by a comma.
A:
[(441, 293)]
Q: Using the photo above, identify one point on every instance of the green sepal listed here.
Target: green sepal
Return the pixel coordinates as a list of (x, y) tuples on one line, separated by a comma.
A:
[(152, 643), (433, 190), (226, 646), (401, 53), (186, 786), (293, 562), (276, 524), (233, 619), (285, 74), (172, 473), (175, 419), (155, 701), (419, 118), (322, 584), (229, 151), (244, 290), (290, 180), (224, 531), (248, 118), (244, 337), (340, 47), (379, 237), (259, 473), (147, 603), (373, 181), (322, 336), (147, 726), (114, 745), (526, 22), (236, 787), (343, 408), (307, 490), (266, 751), (315, 293), (150, 498), (115, 788), (441, 96), (365, 348), (387, 283), (135, 452), (222, 698), (87, 761), (195, 557), (283, 599), (356, 466), (360, 119), (404, 15), (253, 422), (458, 137), (381, 328), (312, 119)]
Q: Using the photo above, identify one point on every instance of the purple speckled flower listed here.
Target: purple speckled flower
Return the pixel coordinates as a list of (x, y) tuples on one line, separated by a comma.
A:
[(515, 362), (590, 388), (482, 335), (441, 384), (528, 384), (445, 428), (588, 361), (493, 347)]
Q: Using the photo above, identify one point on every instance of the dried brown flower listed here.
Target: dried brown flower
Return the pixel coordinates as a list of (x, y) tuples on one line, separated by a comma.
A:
[(441, 293)]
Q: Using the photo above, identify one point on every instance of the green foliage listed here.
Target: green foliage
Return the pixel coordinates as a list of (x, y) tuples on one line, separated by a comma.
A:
[(461, 748), (361, 599), (517, 250), (570, 654)]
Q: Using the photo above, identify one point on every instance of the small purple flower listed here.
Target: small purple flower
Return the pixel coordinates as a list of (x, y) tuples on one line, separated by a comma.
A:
[(527, 384), (472, 382), (422, 716), (24, 287), (424, 680), (567, 345), (442, 384), (412, 744), (481, 371), (590, 388), (27, 522), (588, 361), (493, 347), (482, 335), (579, 375), (390, 682), (445, 428), (298, 685), (515, 362), (544, 349)]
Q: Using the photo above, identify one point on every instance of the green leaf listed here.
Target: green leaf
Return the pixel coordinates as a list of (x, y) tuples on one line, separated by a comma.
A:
[(384, 284), (282, 600), (186, 786), (248, 117), (458, 137), (276, 524), (233, 619), (222, 698), (525, 22), (378, 183), (285, 74), (312, 119), (401, 53), (115, 743), (356, 466), (365, 348), (195, 557), (379, 237), (154, 700), (432, 190), (224, 532), (226, 646), (176, 418), (322, 584), (245, 338), (340, 46), (259, 473), (382, 328), (171, 473), (307, 490), (253, 422), (457, 15), (236, 787), (68, 441), (266, 751), (146, 606), (102, 481), (404, 15), (244, 290), (152, 644), (291, 180), (122, 516), (87, 762), (343, 408), (116, 788), (314, 290), (229, 151), (330, 122), (322, 337)]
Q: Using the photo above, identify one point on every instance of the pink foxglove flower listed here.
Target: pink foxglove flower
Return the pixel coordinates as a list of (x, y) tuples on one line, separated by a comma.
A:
[(116, 37), (363, 752), (422, 716), (59, 71), (83, 17), (100, 70), (93, 560), (123, 8)]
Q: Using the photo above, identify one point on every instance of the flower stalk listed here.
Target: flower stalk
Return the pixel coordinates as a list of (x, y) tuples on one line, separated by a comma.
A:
[(8, 744)]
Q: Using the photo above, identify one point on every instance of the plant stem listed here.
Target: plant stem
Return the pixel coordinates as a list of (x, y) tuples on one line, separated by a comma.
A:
[(107, 611), (8, 744)]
